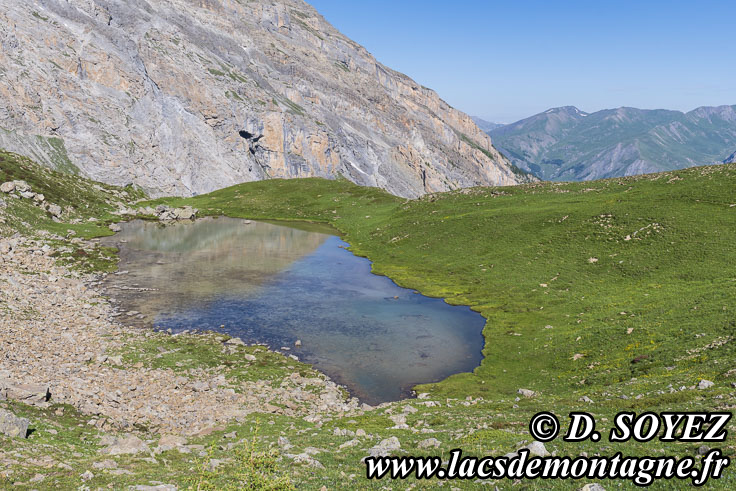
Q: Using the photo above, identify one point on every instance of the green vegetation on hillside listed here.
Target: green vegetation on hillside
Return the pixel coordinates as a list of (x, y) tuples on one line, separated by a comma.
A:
[(567, 144), (615, 290), (591, 260), (50, 151), (621, 291), (87, 210), (87, 205)]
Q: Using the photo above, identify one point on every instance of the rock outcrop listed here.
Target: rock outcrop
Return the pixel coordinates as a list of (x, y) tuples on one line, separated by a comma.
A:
[(166, 213), (13, 426), (22, 190), (183, 97)]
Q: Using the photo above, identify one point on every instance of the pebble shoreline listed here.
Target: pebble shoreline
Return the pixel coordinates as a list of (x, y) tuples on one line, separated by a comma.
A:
[(58, 332)]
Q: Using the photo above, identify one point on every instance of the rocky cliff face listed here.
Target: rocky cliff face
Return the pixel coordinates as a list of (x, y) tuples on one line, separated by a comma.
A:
[(187, 96)]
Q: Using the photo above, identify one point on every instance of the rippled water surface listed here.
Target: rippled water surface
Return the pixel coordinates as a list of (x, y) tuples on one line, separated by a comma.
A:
[(276, 284)]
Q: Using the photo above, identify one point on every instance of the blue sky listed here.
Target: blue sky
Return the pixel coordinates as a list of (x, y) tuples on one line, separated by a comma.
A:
[(507, 60)]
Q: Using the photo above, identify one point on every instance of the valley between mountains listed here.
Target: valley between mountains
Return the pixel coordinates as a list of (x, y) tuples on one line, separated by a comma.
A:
[(567, 144)]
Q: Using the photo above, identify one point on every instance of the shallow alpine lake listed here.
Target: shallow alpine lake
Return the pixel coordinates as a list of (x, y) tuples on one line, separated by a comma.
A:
[(279, 283)]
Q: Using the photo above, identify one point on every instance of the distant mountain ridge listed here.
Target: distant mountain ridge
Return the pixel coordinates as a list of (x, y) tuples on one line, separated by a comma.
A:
[(485, 125), (566, 143)]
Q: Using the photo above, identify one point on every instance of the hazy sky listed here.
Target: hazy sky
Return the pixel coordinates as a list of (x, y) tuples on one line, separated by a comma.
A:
[(506, 60)]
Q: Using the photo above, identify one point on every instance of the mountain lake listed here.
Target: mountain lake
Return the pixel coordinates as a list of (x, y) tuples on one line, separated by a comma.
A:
[(276, 283)]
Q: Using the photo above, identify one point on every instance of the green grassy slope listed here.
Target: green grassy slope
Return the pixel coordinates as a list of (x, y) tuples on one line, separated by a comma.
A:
[(87, 209), (80, 198), (619, 290), (646, 253)]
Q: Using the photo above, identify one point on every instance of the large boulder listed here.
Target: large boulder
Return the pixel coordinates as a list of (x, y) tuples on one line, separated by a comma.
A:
[(13, 426), (166, 213), (705, 384), (22, 186), (185, 213), (429, 443), (537, 449), (170, 442), (33, 394), (307, 460), (126, 445), (386, 447), (55, 210), (7, 187)]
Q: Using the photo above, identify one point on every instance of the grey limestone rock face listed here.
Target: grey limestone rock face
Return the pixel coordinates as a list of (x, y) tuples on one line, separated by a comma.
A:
[(182, 97)]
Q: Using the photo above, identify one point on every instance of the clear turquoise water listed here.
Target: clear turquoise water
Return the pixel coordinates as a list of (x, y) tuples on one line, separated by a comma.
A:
[(276, 284)]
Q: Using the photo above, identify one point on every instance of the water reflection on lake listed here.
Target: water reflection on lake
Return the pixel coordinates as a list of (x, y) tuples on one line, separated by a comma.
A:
[(276, 284)]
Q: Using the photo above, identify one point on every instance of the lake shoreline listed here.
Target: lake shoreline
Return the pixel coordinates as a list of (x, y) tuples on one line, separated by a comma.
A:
[(97, 362), (144, 250)]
